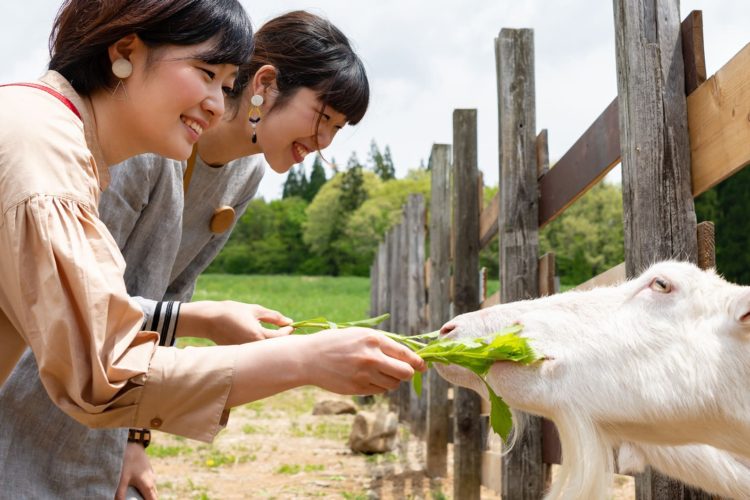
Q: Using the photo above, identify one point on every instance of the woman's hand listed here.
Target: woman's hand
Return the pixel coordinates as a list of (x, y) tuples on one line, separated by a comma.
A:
[(359, 361), (229, 322), (345, 361), (137, 472)]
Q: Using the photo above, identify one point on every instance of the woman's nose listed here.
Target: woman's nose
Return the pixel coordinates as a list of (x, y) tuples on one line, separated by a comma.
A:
[(325, 137), (214, 105)]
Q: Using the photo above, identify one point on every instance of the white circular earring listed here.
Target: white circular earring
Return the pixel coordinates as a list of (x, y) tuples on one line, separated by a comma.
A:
[(256, 100), (122, 68)]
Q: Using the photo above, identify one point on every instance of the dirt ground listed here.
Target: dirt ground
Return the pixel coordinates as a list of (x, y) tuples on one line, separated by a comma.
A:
[(276, 449)]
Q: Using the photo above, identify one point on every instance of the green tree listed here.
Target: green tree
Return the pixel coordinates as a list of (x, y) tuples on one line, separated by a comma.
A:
[(317, 179), (296, 182), (266, 240), (732, 226), (328, 214), (588, 237), (353, 193), (381, 163), (388, 166), (367, 226)]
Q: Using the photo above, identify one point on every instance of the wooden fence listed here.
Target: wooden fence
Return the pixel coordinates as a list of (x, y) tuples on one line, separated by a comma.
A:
[(676, 135)]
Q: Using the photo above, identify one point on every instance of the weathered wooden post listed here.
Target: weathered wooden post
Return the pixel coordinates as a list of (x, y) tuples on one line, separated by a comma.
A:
[(523, 470), (438, 412), (467, 434), (415, 297), (658, 209), (399, 303)]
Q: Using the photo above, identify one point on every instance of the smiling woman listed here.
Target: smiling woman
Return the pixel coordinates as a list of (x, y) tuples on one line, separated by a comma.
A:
[(310, 84), (141, 75)]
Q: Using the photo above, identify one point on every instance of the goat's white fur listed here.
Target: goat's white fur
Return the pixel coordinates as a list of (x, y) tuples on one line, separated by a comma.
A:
[(659, 374)]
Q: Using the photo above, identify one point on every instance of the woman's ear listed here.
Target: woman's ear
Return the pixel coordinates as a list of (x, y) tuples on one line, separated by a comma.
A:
[(124, 48), (264, 80)]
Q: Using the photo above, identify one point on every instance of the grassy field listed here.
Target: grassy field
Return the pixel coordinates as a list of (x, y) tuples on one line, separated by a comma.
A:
[(298, 297)]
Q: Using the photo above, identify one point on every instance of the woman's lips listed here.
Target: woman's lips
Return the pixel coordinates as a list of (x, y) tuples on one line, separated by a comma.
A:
[(299, 151)]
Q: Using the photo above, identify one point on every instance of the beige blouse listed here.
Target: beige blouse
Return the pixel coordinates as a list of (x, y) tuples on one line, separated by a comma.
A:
[(61, 286)]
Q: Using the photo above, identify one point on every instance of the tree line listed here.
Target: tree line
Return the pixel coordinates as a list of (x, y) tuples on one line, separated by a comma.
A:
[(333, 225)]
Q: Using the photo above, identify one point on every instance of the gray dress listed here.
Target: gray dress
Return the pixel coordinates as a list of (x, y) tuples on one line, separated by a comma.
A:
[(166, 241)]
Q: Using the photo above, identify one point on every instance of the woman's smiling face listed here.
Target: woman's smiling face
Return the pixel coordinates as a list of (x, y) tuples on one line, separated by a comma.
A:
[(288, 133), (174, 95)]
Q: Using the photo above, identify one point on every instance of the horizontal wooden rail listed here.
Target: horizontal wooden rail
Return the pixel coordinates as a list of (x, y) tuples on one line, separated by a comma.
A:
[(594, 154), (719, 123)]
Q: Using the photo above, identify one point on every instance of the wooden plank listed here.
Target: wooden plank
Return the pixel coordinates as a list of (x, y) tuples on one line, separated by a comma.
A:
[(467, 435), (401, 292), (692, 51), (542, 153), (551, 448), (488, 221), (592, 156), (658, 210), (706, 245), (417, 323), (719, 123), (383, 288), (547, 274), (518, 227), (374, 287), (390, 324), (492, 468), (438, 409), (610, 277), (490, 301)]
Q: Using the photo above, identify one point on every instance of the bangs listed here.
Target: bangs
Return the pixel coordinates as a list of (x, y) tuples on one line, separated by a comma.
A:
[(222, 20), (348, 92)]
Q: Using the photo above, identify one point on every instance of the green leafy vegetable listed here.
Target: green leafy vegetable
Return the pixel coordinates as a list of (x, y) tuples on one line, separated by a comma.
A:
[(475, 354)]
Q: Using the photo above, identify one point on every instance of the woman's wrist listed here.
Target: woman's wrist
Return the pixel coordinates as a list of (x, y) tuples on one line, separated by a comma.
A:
[(197, 319)]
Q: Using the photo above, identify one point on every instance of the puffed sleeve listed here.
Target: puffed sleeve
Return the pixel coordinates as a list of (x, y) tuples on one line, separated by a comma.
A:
[(62, 291)]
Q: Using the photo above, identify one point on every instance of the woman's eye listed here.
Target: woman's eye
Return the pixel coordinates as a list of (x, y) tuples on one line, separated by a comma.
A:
[(327, 117), (211, 75)]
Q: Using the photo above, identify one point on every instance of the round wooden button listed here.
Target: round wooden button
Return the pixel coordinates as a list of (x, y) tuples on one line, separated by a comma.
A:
[(222, 219), (156, 423)]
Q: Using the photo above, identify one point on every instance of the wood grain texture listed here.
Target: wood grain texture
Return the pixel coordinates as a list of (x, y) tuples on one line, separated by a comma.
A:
[(467, 432), (658, 210), (518, 226), (438, 412)]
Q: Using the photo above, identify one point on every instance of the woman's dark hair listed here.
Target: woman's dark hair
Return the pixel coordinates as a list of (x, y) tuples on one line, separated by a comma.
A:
[(309, 51), (84, 29)]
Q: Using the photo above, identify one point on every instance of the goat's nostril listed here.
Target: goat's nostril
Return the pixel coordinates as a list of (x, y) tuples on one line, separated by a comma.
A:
[(447, 328)]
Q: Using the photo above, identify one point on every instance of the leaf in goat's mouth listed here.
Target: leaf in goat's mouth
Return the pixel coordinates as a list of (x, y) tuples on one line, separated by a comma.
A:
[(475, 354)]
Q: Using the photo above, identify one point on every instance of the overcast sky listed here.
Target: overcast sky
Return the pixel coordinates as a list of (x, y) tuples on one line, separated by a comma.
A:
[(426, 58)]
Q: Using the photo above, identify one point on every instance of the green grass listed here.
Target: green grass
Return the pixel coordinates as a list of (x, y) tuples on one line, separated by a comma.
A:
[(298, 297), (341, 299), (159, 451)]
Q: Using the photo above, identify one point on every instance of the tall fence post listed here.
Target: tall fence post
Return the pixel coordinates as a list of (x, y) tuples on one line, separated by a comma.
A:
[(658, 210), (438, 412), (414, 221), (467, 435), (400, 305), (523, 471)]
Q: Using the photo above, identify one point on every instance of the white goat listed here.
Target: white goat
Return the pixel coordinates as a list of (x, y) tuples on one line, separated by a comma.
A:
[(658, 367)]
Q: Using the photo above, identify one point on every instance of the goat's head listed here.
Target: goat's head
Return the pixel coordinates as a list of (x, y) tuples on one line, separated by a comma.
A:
[(657, 359)]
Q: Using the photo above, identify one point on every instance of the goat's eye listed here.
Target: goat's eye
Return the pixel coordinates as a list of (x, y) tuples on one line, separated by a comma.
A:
[(660, 285)]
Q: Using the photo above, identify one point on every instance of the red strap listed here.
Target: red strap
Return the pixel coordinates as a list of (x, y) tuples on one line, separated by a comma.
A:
[(51, 92)]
